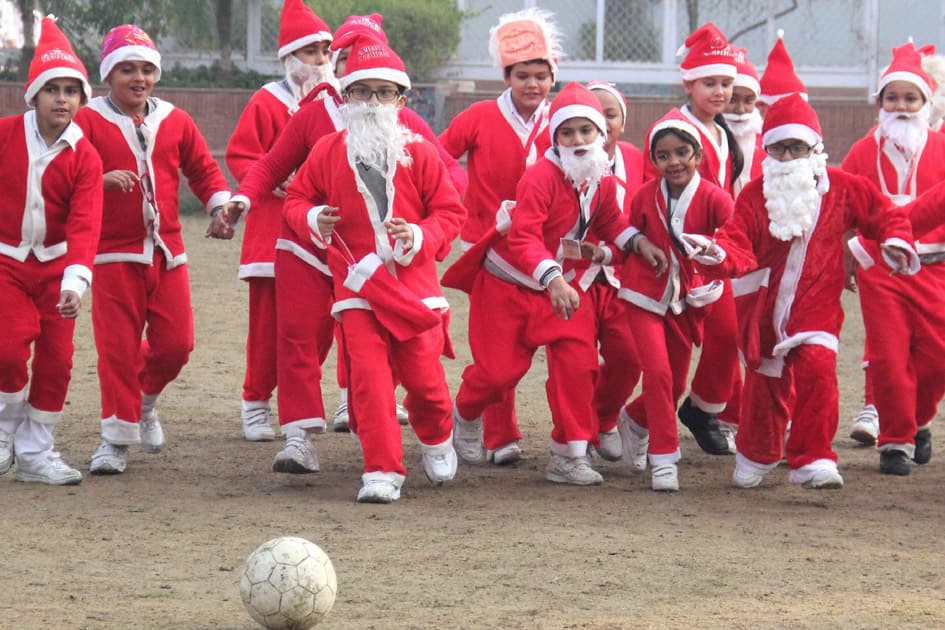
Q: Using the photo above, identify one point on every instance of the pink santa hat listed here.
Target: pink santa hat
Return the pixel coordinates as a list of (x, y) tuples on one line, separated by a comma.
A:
[(576, 101), (906, 66), (673, 119), (128, 42), (709, 54), (356, 26), (747, 76), (371, 59), (525, 35), (779, 78), (791, 117), (299, 26), (611, 89), (54, 59)]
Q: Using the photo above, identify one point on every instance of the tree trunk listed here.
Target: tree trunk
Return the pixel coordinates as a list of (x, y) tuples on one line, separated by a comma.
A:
[(29, 48), (224, 14)]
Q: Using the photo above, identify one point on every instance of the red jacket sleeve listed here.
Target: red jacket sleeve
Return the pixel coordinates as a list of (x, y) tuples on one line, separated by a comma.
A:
[(255, 133), (203, 174), (84, 224), (413, 121), (927, 212), (445, 212)]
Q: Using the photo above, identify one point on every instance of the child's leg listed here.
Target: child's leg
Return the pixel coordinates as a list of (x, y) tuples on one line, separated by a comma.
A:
[(21, 327), (717, 376), (621, 367), (766, 409), (169, 337), (260, 377), (816, 407), (428, 400), (928, 325)]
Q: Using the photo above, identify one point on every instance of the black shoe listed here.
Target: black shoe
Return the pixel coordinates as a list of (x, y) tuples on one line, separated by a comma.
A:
[(923, 447), (894, 462), (704, 427)]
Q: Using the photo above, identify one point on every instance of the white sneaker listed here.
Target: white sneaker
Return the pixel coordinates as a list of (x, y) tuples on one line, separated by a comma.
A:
[(256, 422), (865, 427), (635, 442), (745, 478), (402, 416), (573, 470), (729, 430), (439, 464), (6, 451), (49, 470), (611, 446), (506, 455), (109, 459), (467, 438), (339, 422), (152, 435), (819, 479), (380, 488), (665, 478), (297, 457)]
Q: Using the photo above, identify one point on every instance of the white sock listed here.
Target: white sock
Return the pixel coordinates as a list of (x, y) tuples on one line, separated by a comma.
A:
[(148, 402)]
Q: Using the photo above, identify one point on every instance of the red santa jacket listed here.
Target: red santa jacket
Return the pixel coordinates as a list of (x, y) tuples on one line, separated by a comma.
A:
[(754, 154), (628, 169), (885, 170), (131, 225), (51, 206), (499, 148), (702, 208), (795, 286), (420, 193)]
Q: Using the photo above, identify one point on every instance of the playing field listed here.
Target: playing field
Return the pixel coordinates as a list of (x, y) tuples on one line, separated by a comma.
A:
[(162, 546)]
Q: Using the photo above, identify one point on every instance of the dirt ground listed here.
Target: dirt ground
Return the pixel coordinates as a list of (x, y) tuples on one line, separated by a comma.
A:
[(162, 546)]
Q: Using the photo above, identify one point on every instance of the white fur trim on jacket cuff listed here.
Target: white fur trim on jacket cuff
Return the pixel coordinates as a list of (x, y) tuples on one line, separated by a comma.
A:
[(859, 253), (76, 278), (699, 241), (914, 263), (544, 267), (608, 254), (243, 199), (405, 256), (217, 199), (704, 295), (311, 218), (361, 272), (624, 237)]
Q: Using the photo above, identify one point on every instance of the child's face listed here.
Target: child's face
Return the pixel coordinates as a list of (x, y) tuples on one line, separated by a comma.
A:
[(708, 96), (315, 54), (742, 101), (342, 61), (576, 132), (131, 83), (375, 91), (57, 102), (530, 84), (613, 114), (901, 96), (676, 160), (789, 149)]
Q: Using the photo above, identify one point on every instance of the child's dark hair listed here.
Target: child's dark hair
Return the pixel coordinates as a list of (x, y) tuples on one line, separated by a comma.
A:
[(738, 160), (679, 133), (530, 62)]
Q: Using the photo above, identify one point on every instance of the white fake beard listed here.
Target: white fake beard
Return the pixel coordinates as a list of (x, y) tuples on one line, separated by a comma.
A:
[(375, 136), (589, 167), (792, 192), (906, 131), (302, 77), (744, 126)]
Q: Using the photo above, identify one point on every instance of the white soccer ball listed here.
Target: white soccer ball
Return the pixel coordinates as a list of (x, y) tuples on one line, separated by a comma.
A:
[(288, 584)]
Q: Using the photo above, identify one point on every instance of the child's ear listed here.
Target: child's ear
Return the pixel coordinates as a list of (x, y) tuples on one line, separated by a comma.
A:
[(697, 157)]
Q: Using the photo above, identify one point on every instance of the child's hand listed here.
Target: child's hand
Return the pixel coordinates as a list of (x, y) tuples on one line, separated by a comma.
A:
[(280, 190), (653, 255), (901, 258), (400, 230), (219, 227), (232, 211), (592, 252), (326, 221), (564, 299), (120, 180), (69, 304)]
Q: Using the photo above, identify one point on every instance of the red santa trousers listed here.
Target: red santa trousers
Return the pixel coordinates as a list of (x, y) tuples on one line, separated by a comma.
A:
[(806, 393), (512, 322), (666, 342), (260, 377), (304, 330), (621, 367), (30, 292), (128, 299), (904, 319), (716, 385), (373, 356)]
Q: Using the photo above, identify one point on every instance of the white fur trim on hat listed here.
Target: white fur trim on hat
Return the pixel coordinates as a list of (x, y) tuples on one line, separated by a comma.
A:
[(621, 99), (710, 70), (130, 53), (56, 73), (384, 74), (908, 77), (577, 111), (771, 99), (792, 131), (747, 81), (302, 42), (675, 123)]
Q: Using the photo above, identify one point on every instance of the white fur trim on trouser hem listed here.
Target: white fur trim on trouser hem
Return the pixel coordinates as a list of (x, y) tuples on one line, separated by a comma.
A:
[(632, 424), (664, 459), (704, 405), (442, 448), (925, 426), (10, 399), (309, 425), (33, 441), (396, 478), (574, 448), (743, 463), (43, 417), (120, 432), (805, 472), (254, 405), (908, 449)]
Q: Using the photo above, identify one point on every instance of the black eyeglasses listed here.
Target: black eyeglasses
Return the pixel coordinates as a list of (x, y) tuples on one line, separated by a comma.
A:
[(796, 149), (364, 94)]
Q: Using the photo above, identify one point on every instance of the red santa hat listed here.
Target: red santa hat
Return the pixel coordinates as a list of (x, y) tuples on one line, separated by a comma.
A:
[(791, 117), (710, 54), (356, 26), (779, 78), (906, 66), (371, 59), (747, 76), (673, 119), (611, 89), (128, 42), (54, 59), (299, 26), (576, 101), (525, 36)]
